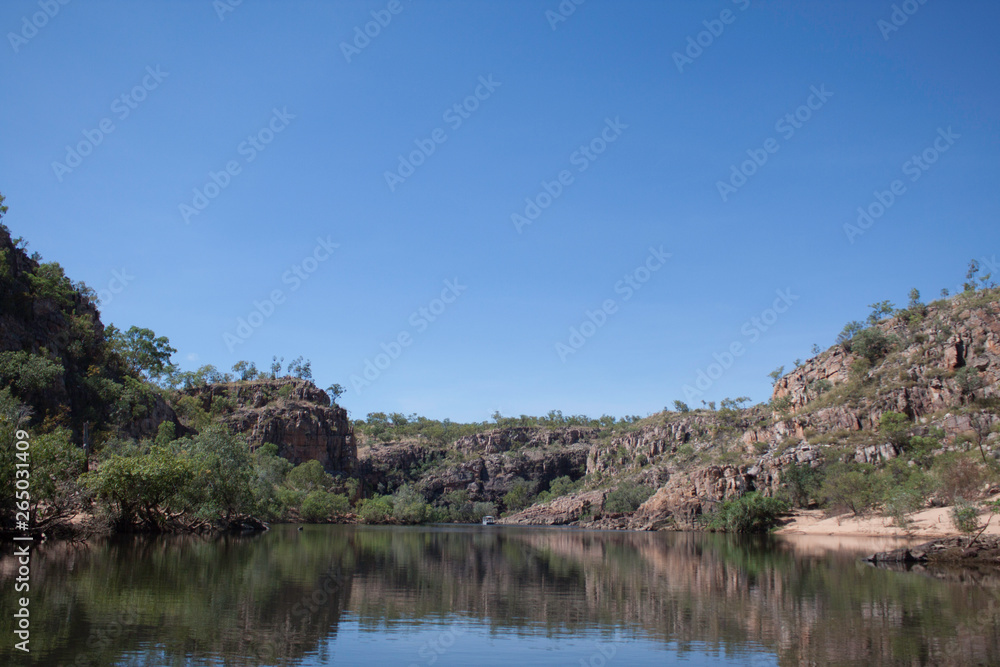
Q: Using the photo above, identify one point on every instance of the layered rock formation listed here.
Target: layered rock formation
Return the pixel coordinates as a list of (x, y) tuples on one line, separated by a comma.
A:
[(291, 413)]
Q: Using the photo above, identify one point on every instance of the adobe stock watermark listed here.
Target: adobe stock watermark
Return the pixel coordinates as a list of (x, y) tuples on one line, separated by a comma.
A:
[(37, 21), (594, 320), (122, 107), (119, 281), (714, 28), (294, 277), (900, 14), (419, 321), (434, 648), (603, 653), (223, 7), (248, 149), (581, 158), (914, 168), (454, 116), (381, 18), (562, 13), (100, 639), (786, 126), (751, 331), (21, 452)]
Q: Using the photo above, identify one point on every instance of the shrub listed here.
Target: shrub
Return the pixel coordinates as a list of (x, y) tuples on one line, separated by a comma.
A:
[(751, 513), (481, 509), (872, 344), (627, 498), (958, 475), (853, 486), (558, 487), (409, 506), (521, 495), (28, 373), (375, 509), (317, 506), (802, 483), (965, 516), (895, 426), (309, 476)]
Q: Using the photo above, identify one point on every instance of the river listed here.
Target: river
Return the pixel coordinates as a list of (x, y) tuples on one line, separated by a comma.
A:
[(478, 595)]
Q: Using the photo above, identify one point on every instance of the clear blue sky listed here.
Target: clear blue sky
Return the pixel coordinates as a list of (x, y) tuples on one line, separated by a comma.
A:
[(670, 135)]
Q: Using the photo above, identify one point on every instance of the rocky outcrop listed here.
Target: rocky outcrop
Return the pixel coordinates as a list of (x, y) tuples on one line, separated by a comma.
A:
[(293, 414), (491, 477), (383, 468), (918, 377), (686, 497), (506, 439), (45, 314), (561, 511)]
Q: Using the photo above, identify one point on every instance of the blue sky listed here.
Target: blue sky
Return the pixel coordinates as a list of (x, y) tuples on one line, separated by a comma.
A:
[(640, 136)]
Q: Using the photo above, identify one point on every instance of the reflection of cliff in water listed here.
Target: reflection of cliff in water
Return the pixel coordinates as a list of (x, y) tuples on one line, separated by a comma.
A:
[(274, 598), (692, 589)]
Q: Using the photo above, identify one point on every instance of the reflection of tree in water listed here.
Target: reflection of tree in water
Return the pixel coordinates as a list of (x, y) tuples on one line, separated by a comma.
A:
[(189, 595), (279, 596)]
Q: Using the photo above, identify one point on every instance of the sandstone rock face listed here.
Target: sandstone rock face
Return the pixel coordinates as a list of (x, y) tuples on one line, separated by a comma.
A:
[(680, 502), (949, 337), (291, 413), (502, 440), (385, 467), (561, 511)]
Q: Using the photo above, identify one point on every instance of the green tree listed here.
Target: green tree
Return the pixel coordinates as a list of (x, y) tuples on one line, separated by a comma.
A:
[(914, 303), (880, 309), (56, 464), (143, 352), (895, 427), (309, 476), (970, 276), (138, 487), (246, 371), (969, 381), (965, 516), (627, 498), (802, 483), (681, 406), (322, 505), (301, 369), (225, 474), (409, 506), (28, 373), (872, 344), (751, 513), (855, 487), (850, 330), (521, 495), (776, 375), (335, 391), (376, 509)]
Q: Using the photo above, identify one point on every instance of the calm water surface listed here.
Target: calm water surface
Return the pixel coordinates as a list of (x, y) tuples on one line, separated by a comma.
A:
[(331, 595)]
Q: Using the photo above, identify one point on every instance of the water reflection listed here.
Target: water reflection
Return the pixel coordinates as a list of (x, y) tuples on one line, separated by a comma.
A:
[(447, 595)]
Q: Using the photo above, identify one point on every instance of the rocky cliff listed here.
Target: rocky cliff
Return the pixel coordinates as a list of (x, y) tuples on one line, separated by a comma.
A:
[(55, 358), (293, 414), (939, 366)]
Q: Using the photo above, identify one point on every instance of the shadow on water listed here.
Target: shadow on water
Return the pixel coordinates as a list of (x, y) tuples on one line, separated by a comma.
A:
[(281, 597)]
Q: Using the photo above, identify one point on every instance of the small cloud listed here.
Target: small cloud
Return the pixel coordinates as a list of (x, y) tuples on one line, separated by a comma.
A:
[(192, 356)]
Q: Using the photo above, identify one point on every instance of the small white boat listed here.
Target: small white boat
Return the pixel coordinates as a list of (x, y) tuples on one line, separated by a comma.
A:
[(489, 520)]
